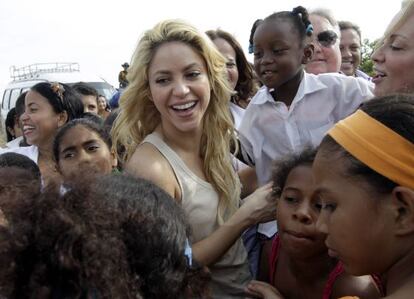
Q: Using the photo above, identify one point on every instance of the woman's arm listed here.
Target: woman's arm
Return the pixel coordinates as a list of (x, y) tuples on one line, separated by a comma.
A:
[(258, 207)]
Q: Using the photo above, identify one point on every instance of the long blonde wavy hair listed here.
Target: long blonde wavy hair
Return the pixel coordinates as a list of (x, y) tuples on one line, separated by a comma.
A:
[(139, 117)]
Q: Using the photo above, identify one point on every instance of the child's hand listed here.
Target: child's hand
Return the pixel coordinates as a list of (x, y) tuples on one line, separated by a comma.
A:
[(260, 206), (263, 290)]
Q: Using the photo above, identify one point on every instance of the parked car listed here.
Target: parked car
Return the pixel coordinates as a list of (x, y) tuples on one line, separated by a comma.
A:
[(27, 76)]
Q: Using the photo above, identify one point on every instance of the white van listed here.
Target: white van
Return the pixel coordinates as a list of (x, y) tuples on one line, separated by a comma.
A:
[(27, 76)]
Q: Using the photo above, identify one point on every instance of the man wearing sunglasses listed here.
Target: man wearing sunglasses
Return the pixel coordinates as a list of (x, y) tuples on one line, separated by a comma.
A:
[(325, 38)]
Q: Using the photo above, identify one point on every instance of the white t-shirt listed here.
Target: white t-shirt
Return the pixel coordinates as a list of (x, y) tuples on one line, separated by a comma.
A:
[(29, 151), (237, 112)]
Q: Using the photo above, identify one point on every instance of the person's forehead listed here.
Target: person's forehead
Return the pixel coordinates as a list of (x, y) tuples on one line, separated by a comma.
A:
[(320, 24)]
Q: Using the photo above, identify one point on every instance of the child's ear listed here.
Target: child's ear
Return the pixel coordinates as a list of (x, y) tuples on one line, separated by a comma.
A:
[(62, 118), (403, 207), (308, 53)]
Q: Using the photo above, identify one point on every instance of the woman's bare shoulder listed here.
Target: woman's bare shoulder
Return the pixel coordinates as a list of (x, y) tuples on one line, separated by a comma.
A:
[(148, 163)]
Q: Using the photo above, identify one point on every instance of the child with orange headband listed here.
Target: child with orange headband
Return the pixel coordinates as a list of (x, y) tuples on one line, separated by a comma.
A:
[(364, 176)]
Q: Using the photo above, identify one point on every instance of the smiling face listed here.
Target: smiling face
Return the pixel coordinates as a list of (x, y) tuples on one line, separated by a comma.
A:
[(350, 47), (179, 87), (40, 122), (297, 212), (101, 103), (327, 58), (231, 61), (354, 216), (278, 52), (394, 61), (82, 150)]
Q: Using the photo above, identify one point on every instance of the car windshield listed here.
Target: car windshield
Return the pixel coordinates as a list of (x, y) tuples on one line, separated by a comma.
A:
[(103, 88)]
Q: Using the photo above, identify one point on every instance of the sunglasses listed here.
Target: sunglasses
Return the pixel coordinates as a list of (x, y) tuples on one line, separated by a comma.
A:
[(327, 38)]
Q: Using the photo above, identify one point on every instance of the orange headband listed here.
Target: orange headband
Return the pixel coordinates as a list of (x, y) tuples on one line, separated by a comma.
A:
[(377, 146)]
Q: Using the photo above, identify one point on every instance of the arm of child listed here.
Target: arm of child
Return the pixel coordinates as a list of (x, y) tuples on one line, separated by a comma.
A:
[(263, 290), (248, 180)]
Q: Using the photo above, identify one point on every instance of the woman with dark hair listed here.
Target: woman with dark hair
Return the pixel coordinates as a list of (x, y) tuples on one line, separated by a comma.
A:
[(239, 72), (48, 106)]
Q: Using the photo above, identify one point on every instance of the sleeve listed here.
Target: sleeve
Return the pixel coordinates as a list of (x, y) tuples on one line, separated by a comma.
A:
[(352, 93)]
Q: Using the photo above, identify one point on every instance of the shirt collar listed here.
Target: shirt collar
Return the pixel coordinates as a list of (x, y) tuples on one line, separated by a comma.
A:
[(308, 85)]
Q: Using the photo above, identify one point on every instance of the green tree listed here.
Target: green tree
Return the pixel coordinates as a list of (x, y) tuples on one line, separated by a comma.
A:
[(367, 65)]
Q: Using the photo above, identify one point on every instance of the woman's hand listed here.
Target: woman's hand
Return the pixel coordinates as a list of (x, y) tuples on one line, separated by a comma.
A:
[(263, 290), (260, 206)]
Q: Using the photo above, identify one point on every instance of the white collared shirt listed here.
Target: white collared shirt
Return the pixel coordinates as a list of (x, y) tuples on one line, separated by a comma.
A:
[(270, 130)]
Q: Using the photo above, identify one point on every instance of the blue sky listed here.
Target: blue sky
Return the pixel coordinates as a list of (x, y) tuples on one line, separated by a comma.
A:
[(101, 35)]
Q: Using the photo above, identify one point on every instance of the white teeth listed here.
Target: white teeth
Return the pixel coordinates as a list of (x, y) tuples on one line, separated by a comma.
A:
[(184, 106), (27, 128)]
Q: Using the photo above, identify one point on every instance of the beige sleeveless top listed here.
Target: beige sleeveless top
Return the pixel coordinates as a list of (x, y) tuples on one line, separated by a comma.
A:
[(200, 202)]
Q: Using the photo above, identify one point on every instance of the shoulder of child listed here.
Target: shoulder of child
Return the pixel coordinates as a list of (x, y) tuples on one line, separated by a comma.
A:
[(148, 163), (361, 286)]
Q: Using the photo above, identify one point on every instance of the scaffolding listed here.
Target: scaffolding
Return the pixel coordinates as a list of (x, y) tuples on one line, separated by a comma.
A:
[(34, 70)]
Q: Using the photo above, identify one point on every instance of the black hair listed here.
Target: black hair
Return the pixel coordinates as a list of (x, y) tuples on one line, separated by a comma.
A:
[(344, 25), (61, 101), (252, 31), (110, 119), (93, 117), (299, 17), (85, 89), (395, 112), (11, 120), (20, 107), (16, 160), (60, 246), (282, 168), (88, 124), (155, 231)]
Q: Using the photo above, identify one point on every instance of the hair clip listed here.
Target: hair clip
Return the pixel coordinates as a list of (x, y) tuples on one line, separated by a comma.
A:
[(57, 89), (188, 253), (250, 48), (309, 29)]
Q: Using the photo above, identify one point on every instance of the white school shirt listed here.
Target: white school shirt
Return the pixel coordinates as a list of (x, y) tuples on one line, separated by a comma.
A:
[(270, 131), (31, 152), (237, 112)]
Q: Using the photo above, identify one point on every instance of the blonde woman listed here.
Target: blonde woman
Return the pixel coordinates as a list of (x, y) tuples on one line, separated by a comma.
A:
[(176, 128), (394, 57)]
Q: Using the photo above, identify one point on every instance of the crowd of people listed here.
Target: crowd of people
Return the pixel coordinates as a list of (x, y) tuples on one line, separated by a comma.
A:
[(211, 177)]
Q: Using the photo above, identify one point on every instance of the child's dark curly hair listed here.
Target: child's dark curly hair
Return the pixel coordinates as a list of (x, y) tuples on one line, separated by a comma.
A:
[(60, 247), (113, 237), (282, 168), (155, 232)]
